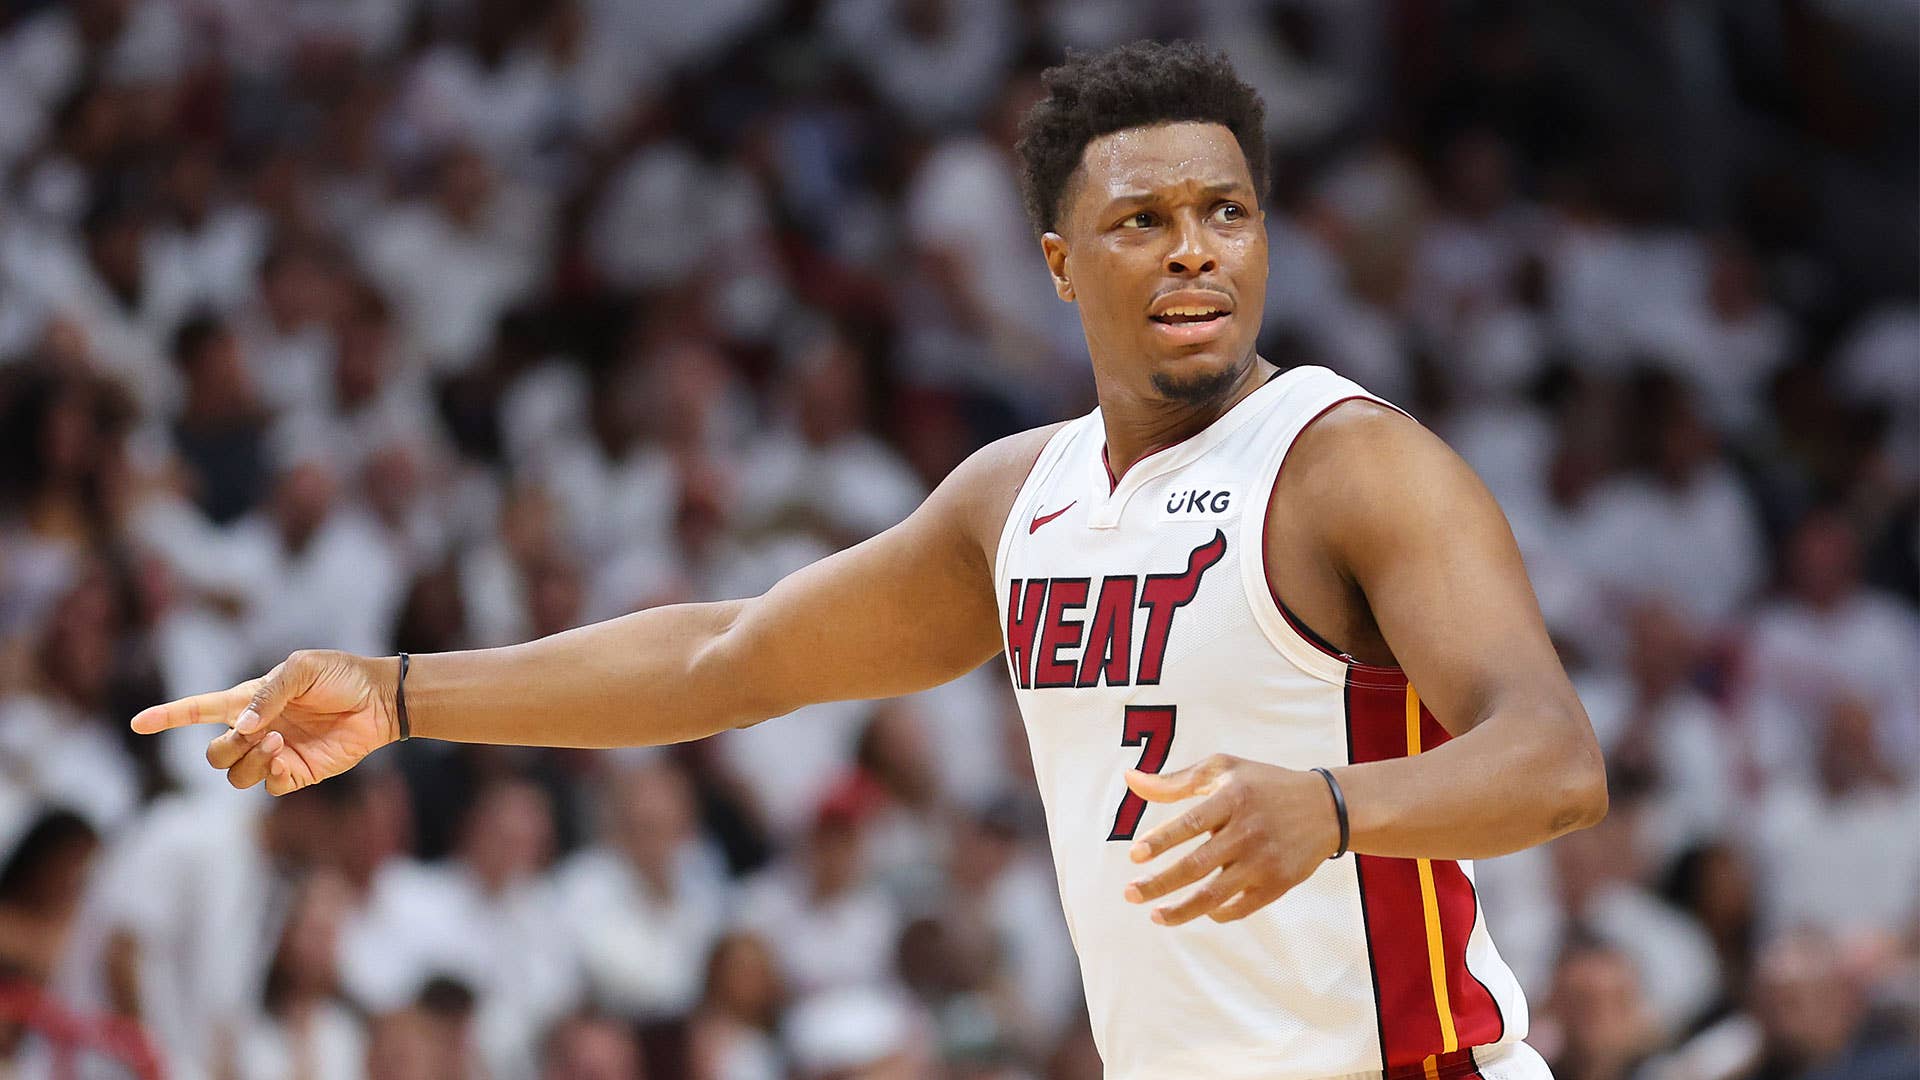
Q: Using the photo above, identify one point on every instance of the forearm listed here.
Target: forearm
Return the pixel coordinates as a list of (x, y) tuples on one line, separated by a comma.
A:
[(654, 676), (1508, 784)]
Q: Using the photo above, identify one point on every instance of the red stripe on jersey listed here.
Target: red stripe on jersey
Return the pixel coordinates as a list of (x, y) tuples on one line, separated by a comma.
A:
[(1413, 979), (1458, 1065), (1476, 1015), (1390, 892)]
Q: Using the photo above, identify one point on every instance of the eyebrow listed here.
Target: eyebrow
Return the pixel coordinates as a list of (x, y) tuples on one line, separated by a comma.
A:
[(1224, 187)]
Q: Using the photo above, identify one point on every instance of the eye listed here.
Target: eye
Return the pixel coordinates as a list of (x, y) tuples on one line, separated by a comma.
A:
[(1230, 212), (1142, 220)]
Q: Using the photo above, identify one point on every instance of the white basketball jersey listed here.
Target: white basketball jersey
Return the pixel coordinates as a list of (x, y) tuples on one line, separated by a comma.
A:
[(1140, 631)]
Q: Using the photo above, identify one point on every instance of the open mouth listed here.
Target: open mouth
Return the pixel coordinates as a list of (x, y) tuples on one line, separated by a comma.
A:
[(1187, 316)]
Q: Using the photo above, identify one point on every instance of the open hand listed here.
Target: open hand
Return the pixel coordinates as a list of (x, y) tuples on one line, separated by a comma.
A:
[(1270, 828), (314, 715)]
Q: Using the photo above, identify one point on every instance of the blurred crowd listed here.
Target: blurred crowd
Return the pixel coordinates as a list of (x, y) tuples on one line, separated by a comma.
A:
[(439, 324)]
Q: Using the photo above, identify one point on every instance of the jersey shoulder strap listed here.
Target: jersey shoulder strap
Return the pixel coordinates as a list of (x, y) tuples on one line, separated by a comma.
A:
[(1310, 393), (1044, 466)]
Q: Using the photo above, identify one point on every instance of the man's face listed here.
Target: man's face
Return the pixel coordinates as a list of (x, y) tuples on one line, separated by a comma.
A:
[(1162, 243)]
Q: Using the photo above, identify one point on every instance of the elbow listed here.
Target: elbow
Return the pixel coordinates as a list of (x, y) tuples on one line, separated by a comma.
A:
[(716, 676), (1582, 800)]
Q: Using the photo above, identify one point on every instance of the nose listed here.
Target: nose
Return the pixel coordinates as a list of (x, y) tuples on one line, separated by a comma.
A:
[(1191, 255)]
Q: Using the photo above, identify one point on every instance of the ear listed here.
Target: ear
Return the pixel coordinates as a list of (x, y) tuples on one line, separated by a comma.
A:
[(1054, 247)]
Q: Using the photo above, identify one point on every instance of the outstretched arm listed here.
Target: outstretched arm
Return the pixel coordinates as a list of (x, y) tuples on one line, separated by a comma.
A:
[(906, 610), (1402, 518)]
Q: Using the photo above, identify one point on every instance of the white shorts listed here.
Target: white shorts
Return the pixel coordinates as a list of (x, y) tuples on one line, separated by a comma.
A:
[(1517, 1061), (1513, 1061)]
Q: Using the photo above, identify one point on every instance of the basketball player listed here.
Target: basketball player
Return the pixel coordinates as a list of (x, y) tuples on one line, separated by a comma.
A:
[(1280, 666)]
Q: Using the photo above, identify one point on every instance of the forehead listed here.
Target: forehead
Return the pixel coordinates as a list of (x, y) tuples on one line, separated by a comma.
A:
[(1141, 160)]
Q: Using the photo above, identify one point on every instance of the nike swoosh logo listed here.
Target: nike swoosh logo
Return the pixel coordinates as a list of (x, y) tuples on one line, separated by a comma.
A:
[(1039, 521)]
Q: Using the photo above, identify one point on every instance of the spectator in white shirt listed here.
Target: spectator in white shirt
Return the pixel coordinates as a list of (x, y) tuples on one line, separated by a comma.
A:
[(1716, 883), (408, 506), (497, 85), (1003, 896), (1875, 367), (1826, 636), (667, 212), (1728, 343), (1611, 280), (1603, 896), (1810, 1014), (731, 1035), (829, 926), (61, 442), (486, 918), (191, 901), (646, 904), (127, 291), (938, 62), (968, 227), (859, 1032), (820, 471), (456, 262), (1661, 734), (613, 486), (287, 336), (1682, 524), (317, 568), (58, 738), (41, 58), (907, 842), (374, 398), (1467, 259), (305, 1032), (1307, 59), (222, 239), (495, 585), (1839, 853)]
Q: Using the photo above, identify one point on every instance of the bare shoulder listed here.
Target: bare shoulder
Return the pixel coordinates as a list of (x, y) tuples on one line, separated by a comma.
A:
[(1365, 441), (1372, 481), (1365, 460), (979, 493)]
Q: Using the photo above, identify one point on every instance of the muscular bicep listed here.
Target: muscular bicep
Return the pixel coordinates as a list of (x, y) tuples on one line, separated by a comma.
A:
[(906, 610), (1434, 557)]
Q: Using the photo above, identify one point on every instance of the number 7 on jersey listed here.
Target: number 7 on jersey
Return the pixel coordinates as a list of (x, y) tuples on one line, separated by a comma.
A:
[(1149, 727)]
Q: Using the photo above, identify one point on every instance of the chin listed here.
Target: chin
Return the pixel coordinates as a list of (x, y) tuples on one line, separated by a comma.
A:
[(1198, 378)]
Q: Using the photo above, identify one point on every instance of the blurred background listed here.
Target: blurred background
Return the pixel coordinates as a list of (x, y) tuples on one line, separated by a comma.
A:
[(436, 324)]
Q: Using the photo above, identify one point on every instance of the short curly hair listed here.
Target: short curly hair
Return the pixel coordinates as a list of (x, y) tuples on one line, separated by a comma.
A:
[(1134, 85)]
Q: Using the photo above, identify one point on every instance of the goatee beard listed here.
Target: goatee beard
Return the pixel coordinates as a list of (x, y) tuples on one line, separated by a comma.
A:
[(1202, 389)]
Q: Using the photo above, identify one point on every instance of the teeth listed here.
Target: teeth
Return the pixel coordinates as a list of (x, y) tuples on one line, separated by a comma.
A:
[(1191, 311)]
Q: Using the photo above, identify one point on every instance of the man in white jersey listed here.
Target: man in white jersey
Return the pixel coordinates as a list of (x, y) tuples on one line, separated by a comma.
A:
[(1151, 572)]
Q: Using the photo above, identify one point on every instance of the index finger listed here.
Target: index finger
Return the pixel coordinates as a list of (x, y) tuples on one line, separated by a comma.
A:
[(213, 707), (1207, 816)]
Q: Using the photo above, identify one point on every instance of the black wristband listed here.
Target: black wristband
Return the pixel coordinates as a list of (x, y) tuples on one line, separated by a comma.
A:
[(1339, 809), (406, 730)]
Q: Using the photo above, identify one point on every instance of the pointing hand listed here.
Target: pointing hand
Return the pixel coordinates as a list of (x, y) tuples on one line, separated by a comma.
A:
[(315, 715)]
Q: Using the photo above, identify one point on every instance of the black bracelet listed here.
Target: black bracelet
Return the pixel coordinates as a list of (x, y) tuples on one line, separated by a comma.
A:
[(406, 730), (1339, 809)]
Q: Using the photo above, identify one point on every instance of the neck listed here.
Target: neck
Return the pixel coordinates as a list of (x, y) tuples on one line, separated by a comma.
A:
[(1138, 424)]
